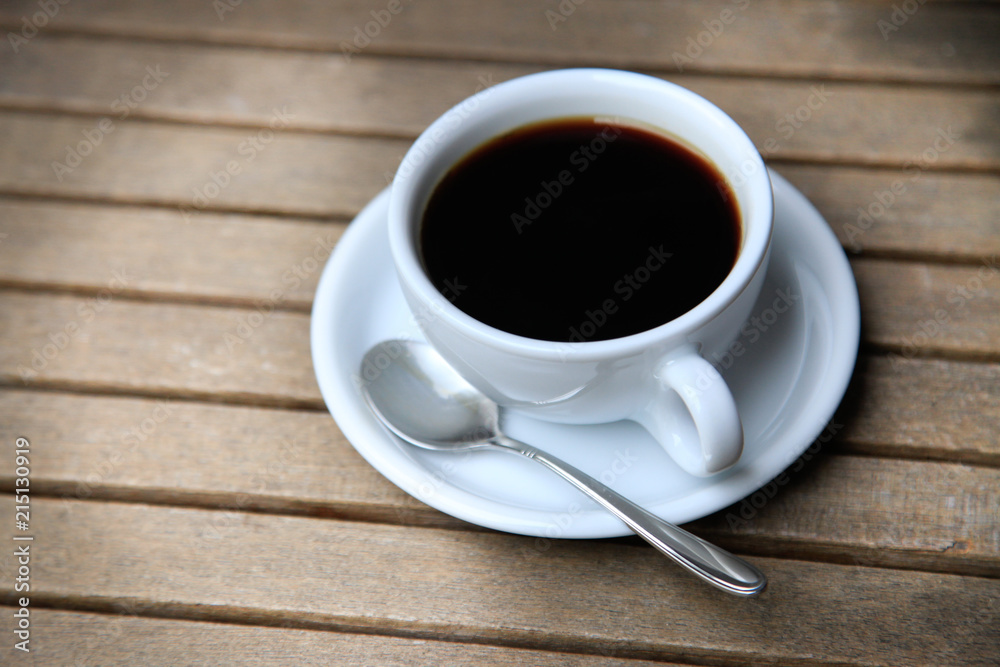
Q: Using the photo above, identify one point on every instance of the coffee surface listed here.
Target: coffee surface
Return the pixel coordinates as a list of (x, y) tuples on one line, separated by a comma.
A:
[(576, 230)]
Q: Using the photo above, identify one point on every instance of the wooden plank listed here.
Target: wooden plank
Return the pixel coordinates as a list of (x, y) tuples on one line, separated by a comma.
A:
[(925, 309), (193, 168), (938, 215), (210, 455), (870, 511), (939, 42), (235, 458), (400, 97), (578, 595), (122, 637), (924, 408), (227, 258), (211, 353)]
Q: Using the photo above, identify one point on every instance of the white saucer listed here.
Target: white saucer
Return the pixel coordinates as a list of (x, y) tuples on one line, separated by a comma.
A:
[(787, 385)]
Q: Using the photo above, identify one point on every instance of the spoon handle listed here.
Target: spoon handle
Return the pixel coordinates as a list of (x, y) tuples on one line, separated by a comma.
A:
[(716, 566)]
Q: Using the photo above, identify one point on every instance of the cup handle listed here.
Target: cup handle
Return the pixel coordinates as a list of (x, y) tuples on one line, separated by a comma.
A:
[(684, 373)]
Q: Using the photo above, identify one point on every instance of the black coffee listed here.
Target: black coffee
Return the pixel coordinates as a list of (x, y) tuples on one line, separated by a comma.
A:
[(577, 230)]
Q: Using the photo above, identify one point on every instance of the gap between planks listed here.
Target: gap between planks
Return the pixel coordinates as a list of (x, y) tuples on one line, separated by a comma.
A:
[(234, 399), (67, 198), (253, 617), (141, 116), (154, 296), (77, 636), (257, 210), (877, 349)]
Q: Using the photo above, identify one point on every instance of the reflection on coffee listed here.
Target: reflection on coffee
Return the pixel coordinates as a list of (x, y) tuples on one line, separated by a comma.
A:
[(579, 230)]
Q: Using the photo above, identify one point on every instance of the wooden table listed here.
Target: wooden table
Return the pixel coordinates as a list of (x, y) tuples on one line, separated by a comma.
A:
[(192, 501)]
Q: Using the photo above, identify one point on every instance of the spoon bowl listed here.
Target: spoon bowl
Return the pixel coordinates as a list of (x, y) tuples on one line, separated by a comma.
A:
[(425, 402), (422, 400)]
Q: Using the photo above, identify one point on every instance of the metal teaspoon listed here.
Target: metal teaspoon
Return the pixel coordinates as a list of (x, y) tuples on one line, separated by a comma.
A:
[(424, 401)]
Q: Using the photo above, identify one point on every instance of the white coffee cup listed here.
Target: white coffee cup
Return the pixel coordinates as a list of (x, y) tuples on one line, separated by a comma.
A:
[(660, 377)]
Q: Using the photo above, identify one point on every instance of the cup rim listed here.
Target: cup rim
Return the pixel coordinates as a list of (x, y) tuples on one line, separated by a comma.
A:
[(754, 250)]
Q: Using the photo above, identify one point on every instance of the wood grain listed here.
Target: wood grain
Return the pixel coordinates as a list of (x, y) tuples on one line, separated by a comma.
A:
[(922, 309), (101, 342), (948, 217), (225, 258), (942, 42), (944, 410), (192, 453), (801, 120), (495, 588), (911, 514), (869, 511), (194, 168), (125, 639)]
